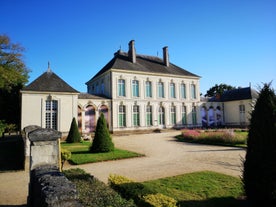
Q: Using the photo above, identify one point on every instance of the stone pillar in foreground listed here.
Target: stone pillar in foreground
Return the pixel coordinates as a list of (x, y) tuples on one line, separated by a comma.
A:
[(44, 147)]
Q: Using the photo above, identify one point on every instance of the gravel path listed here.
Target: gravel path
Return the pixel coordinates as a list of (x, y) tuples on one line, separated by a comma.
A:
[(164, 157), (167, 157)]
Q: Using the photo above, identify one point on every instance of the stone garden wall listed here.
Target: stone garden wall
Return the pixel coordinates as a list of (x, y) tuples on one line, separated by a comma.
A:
[(48, 186)]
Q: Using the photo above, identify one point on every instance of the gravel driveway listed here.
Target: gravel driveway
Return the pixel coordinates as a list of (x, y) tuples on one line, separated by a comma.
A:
[(167, 157), (164, 157)]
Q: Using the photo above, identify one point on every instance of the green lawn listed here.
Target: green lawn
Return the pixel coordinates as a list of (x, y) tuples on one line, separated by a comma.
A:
[(200, 189), (81, 155)]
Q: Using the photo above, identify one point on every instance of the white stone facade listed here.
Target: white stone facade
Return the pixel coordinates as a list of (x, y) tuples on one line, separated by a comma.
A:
[(129, 99)]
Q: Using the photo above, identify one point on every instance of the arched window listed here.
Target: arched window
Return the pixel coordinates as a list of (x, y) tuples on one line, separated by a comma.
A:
[(183, 90), (121, 87), (172, 90), (89, 119), (136, 115), (173, 115), (160, 89), (135, 88), (184, 115), (161, 115), (104, 110), (149, 115), (194, 115), (148, 89), (122, 116)]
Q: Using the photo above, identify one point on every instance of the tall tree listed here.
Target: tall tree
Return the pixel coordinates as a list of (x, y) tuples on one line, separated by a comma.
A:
[(259, 175), (13, 76), (13, 71), (218, 89)]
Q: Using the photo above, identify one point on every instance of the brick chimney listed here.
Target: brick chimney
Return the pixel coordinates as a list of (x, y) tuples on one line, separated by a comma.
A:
[(166, 56), (131, 51)]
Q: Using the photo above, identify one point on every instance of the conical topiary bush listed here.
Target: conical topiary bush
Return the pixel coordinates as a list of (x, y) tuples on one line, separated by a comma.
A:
[(74, 134), (102, 140), (259, 174)]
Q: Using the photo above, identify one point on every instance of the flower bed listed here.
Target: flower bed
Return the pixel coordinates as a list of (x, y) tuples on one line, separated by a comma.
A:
[(217, 137)]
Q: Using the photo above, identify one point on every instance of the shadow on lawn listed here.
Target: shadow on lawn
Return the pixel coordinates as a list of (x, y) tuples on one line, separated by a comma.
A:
[(81, 152), (215, 202)]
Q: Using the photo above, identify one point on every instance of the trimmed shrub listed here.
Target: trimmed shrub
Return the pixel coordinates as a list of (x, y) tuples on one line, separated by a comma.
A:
[(65, 155), (129, 189), (74, 134), (102, 141), (93, 192), (159, 200), (259, 174), (114, 180)]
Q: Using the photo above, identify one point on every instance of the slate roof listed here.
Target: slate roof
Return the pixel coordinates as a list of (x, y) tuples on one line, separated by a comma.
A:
[(49, 82), (236, 94), (144, 63), (90, 96)]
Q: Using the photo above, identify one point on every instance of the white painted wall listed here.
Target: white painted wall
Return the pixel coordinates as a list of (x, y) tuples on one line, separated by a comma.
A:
[(33, 108)]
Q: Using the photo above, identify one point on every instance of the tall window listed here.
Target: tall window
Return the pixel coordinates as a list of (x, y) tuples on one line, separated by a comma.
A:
[(184, 115), (183, 90), (121, 87), (172, 90), (51, 114), (242, 113), (193, 91), (148, 89), (135, 88), (160, 90), (173, 115), (122, 116), (194, 115), (135, 113), (161, 115), (149, 116)]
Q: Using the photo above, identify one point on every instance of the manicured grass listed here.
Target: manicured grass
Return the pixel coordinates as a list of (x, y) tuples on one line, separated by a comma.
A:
[(81, 155), (200, 189), (212, 137)]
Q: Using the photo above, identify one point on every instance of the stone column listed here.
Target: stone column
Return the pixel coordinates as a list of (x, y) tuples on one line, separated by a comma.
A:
[(44, 147)]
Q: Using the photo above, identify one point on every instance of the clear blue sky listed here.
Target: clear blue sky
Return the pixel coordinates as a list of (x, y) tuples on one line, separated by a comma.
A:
[(223, 41)]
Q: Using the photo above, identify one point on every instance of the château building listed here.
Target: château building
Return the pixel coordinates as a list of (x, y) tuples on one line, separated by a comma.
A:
[(133, 91)]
